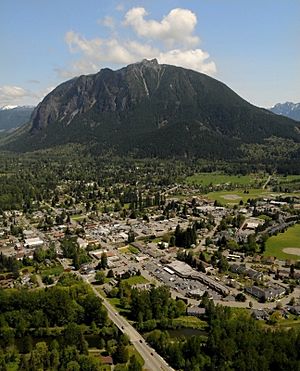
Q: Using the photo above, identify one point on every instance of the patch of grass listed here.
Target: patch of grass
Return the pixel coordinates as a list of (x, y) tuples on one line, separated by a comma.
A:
[(289, 323), (77, 217), (135, 280), (132, 351), (53, 271), (124, 250), (133, 249), (206, 179), (190, 322), (116, 303), (276, 244), (288, 178), (235, 196)]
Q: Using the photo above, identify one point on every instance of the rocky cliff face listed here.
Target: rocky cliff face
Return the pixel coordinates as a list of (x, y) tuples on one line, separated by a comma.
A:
[(107, 91)]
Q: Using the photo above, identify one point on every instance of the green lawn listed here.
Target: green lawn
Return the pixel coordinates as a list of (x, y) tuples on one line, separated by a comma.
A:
[(133, 249), (190, 322), (134, 280), (133, 351), (124, 250), (206, 179), (288, 178), (291, 322), (53, 271), (235, 196), (276, 244)]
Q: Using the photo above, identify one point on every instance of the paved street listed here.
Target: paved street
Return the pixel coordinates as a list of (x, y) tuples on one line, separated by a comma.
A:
[(153, 361)]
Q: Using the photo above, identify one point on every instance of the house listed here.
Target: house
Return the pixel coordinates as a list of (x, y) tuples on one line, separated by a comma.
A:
[(195, 311), (107, 360), (251, 273), (260, 314)]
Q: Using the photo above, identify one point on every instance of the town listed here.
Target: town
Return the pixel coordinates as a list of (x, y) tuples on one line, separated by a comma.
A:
[(173, 236)]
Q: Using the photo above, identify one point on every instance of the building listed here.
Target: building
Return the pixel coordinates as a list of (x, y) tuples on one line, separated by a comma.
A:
[(33, 242), (195, 311), (185, 271), (266, 293), (260, 314), (251, 273)]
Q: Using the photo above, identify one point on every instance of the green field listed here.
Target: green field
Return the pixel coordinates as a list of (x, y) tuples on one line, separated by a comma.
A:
[(189, 322), (135, 280), (234, 197), (53, 271), (206, 179), (289, 239), (288, 178)]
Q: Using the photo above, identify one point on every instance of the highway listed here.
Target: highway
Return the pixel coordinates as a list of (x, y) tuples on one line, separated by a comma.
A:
[(153, 361)]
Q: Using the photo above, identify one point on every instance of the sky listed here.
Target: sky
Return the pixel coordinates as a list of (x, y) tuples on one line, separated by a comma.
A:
[(253, 46)]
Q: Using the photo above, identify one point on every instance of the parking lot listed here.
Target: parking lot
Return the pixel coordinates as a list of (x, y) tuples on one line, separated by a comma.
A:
[(183, 285)]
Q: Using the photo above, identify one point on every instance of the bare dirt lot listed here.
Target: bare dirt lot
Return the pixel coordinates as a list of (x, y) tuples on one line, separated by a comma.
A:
[(292, 250), (231, 197)]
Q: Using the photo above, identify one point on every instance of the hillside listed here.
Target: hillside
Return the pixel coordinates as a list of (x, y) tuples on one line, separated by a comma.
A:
[(11, 118), (288, 109), (148, 109)]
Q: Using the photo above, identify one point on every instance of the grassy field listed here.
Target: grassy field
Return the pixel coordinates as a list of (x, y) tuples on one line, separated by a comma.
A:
[(133, 249), (135, 280), (206, 179), (288, 178), (234, 197), (276, 244), (133, 351), (124, 250), (55, 271), (190, 322)]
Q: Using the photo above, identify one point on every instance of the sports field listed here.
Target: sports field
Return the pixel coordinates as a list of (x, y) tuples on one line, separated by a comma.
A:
[(285, 245), (205, 179), (235, 196)]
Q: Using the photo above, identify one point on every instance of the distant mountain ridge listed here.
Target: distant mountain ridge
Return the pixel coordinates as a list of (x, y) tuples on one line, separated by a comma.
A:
[(11, 117), (288, 109), (148, 109)]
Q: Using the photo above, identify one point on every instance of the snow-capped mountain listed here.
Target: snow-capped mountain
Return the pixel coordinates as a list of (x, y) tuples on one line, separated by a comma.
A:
[(288, 109)]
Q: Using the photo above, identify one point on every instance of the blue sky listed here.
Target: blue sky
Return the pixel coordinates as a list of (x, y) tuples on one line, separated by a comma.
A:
[(253, 46)]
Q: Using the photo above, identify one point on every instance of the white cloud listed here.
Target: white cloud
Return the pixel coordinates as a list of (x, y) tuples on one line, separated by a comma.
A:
[(16, 95), (12, 94), (171, 41), (176, 28), (193, 59)]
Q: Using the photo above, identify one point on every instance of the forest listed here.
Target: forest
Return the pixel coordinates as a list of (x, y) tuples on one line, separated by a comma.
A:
[(47, 329), (234, 340)]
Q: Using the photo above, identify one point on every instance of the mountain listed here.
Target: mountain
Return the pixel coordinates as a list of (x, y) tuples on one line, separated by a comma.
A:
[(149, 109), (288, 109), (12, 117)]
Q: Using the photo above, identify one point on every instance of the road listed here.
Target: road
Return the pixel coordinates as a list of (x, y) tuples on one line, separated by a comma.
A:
[(267, 182), (153, 361)]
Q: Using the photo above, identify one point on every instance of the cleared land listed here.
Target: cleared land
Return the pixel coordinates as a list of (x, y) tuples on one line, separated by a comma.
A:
[(206, 179), (277, 245), (234, 197)]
